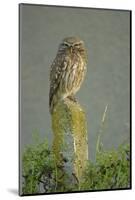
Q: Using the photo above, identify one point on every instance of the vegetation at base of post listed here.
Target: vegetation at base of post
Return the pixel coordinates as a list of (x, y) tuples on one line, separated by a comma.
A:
[(111, 170)]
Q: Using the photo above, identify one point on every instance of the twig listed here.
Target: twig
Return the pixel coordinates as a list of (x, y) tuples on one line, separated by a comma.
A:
[(101, 129)]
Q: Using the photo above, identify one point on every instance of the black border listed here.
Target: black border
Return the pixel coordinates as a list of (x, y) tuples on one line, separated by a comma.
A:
[(19, 100), (19, 97), (130, 99), (67, 6)]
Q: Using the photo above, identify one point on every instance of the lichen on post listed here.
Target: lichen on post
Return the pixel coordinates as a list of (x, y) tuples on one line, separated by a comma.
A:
[(70, 145)]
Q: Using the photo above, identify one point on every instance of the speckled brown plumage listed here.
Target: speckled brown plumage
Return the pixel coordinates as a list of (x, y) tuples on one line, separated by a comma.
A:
[(67, 71)]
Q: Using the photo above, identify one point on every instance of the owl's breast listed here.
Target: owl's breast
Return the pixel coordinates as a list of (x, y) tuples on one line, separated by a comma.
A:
[(75, 73)]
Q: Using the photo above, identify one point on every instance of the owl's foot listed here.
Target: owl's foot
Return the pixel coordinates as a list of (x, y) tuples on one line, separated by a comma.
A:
[(72, 98)]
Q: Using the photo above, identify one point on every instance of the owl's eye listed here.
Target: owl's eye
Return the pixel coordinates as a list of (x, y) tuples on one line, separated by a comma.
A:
[(77, 45), (65, 45)]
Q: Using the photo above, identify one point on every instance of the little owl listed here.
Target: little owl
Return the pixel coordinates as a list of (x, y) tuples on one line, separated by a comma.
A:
[(67, 71)]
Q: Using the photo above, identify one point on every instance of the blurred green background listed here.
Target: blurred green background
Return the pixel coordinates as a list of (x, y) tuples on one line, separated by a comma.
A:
[(106, 34)]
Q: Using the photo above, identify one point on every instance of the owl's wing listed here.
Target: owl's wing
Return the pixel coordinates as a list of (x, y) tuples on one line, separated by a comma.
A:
[(57, 69)]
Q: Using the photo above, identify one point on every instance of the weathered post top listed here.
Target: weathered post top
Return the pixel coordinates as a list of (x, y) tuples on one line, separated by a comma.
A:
[(70, 138)]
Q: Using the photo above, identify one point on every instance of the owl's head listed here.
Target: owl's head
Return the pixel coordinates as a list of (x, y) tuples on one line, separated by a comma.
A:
[(72, 43)]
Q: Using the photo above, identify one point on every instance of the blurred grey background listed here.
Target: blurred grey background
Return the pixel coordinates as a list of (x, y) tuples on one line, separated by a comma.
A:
[(106, 34)]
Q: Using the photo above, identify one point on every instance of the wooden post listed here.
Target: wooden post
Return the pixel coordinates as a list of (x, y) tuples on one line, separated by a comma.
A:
[(70, 145)]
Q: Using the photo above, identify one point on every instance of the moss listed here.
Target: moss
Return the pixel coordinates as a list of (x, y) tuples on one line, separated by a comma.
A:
[(70, 136)]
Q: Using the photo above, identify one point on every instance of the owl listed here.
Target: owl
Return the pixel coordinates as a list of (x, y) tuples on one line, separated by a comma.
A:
[(67, 71)]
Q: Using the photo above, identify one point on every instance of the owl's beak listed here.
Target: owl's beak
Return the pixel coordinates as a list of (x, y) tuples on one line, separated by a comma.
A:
[(71, 49)]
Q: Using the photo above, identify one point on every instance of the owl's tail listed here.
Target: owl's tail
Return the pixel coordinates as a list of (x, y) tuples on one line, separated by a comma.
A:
[(52, 103)]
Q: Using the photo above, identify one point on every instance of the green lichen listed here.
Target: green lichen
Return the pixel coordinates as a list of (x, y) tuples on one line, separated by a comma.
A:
[(70, 136)]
